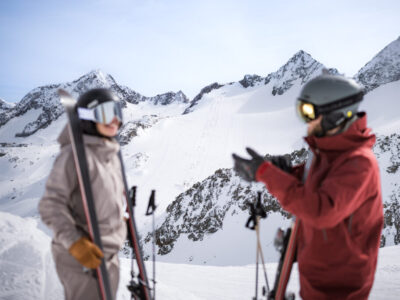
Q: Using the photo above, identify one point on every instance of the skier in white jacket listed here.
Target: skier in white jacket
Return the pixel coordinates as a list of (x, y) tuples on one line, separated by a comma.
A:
[(61, 208)]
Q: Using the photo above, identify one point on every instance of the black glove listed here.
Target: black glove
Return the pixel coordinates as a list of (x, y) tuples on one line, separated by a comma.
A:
[(282, 162), (247, 168)]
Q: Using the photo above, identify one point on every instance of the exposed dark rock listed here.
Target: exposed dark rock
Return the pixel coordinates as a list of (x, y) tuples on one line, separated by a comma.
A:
[(250, 80), (4, 106), (205, 90), (301, 67), (13, 145), (201, 210), (130, 129), (169, 98), (392, 218), (382, 69), (390, 145)]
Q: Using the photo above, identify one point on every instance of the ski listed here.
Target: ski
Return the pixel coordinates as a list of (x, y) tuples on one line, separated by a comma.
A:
[(142, 290), (286, 244), (85, 187)]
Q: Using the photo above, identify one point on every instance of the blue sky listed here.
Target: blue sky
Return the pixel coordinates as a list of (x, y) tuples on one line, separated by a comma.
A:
[(156, 46)]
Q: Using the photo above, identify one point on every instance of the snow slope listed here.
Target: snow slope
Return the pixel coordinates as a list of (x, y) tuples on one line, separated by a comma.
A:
[(227, 120), (26, 264), (382, 69), (170, 151), (27, 271)]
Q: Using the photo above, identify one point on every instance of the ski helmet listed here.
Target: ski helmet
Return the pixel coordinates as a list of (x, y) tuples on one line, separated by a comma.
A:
[(97, 106), (334, 97)]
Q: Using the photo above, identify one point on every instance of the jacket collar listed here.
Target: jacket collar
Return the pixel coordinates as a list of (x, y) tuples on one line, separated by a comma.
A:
[(357, 135), (104, 147)]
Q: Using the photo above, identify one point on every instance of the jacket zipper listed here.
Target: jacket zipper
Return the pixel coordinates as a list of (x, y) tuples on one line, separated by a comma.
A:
[(350, 221)]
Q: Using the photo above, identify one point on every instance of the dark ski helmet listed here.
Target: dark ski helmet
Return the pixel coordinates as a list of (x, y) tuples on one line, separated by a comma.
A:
[(94, 107), (334, 97)]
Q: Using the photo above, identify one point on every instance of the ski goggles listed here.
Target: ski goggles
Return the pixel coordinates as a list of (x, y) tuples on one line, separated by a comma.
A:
[(306, 111), (103, 113)]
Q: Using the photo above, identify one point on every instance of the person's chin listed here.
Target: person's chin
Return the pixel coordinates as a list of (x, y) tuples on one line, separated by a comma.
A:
[(316, 132)]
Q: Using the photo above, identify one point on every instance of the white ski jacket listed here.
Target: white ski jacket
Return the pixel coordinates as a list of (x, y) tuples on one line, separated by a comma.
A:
[(61, 206)]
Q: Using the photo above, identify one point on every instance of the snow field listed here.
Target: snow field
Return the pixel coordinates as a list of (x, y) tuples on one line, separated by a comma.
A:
[(26, 266), (27, 271), (180, 150)]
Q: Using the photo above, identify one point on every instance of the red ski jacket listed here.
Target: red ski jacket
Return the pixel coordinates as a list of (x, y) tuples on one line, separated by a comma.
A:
[(341, 213)]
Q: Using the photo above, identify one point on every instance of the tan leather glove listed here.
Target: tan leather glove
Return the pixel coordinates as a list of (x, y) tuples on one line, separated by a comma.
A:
[(87, 253)]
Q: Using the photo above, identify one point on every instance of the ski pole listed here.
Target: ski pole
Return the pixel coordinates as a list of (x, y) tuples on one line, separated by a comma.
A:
[(150, 211), (256, 213), (257, 255), (261, 254)]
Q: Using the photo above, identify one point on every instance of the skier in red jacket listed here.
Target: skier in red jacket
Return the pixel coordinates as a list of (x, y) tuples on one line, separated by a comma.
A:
[(336, 194)]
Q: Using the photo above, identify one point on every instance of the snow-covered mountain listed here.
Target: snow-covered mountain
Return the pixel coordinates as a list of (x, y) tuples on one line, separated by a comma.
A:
[(204, 209), (300, 68), (183, 150), (382, 69), (4, 106), (44, 107)]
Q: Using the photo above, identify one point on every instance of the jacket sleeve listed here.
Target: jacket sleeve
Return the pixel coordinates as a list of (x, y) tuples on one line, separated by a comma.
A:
[(54, 207), (297, 171), (342, 191)]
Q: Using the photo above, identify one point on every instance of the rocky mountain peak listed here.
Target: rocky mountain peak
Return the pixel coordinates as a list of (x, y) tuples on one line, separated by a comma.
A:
[(250, 80), (383, 68), (45, 100), (168, 98), (95, 78), (301, 64), (4, 105), (302, 57), (300, 67)]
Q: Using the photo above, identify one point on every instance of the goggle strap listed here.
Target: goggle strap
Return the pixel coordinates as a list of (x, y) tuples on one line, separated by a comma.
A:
[(86, 114), (340, 103), (347, 101)]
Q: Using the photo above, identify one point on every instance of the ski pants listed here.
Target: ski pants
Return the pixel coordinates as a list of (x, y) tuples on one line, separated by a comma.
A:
[(79, 284)]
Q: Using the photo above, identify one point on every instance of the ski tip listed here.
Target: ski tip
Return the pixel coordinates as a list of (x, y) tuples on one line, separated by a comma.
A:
[(66, 97)]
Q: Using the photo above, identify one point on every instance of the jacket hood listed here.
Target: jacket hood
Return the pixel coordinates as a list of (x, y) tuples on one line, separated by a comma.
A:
[(357, 135), (101, 145)]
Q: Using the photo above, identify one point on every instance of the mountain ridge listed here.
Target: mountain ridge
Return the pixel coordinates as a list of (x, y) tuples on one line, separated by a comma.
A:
[(383, 68), (387, 62), (45, 100)]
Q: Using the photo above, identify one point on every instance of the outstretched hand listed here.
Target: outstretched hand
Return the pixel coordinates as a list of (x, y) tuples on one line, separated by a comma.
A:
[(247, 168), (283, 162)]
